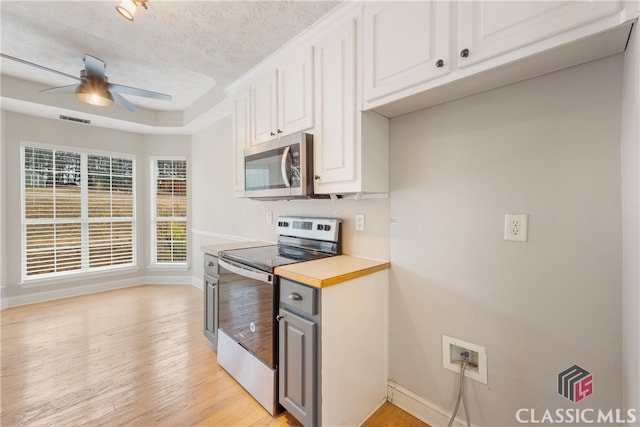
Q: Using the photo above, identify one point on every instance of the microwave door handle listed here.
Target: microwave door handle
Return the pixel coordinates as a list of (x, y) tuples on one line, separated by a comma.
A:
[(283, 167)]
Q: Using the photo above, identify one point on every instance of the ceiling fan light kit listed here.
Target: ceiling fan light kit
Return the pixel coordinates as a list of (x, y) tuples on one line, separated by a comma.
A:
[(93, 91), (127, 8), (94, 87)]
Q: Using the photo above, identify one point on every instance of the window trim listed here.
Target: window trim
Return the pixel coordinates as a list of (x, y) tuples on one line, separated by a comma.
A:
[(84, 220), (153, 218)]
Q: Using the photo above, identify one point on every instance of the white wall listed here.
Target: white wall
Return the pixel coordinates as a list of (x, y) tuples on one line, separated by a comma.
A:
[(549, 147), (19, 128), (630, 155), (217, 214), (3, 270)]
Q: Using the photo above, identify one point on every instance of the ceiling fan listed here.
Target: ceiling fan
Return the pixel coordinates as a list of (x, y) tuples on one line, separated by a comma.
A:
[(94, 87)]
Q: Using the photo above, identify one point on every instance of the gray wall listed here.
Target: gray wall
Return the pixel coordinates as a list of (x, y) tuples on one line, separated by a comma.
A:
[(3, 270), (19, 128), (549, 147), (218, 216), (630, 151)]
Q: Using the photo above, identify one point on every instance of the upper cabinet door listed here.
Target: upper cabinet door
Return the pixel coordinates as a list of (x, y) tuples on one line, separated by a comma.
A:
[(241, 138), (295, 93), (335, 140), (490, 28), (264, 112), (405, 43)]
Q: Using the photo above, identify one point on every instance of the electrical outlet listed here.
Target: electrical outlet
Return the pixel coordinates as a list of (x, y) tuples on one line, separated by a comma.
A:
[(515, 227), (359, 222), (269, 217)]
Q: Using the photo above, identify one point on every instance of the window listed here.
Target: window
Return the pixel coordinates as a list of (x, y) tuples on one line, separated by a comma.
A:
[(169, 211), (78, 212)]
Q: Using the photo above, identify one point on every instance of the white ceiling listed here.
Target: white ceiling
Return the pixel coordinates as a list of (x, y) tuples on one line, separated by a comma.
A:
[(190, 50)]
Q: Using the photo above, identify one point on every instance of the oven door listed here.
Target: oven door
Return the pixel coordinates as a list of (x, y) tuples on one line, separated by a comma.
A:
[(247, 309)]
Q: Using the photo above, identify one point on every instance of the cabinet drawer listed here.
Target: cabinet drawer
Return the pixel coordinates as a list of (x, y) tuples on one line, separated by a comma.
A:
[(301, 297), (210, 265)]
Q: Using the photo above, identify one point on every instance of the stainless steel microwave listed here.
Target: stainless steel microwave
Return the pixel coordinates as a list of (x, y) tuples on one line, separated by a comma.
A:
[(280, 169)]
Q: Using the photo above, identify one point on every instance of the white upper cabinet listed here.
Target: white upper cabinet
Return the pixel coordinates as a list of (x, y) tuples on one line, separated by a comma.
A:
[(405, 43), (241, 137), (282, 99), (335, 135), (488, 28), (295, 92), (264, 104), (341, 164)]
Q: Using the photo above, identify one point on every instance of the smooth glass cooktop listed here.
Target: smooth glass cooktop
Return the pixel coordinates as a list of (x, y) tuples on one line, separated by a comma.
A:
[(266, 258)]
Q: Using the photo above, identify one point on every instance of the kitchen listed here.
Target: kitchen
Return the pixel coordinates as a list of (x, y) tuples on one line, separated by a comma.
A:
[(548, 147)]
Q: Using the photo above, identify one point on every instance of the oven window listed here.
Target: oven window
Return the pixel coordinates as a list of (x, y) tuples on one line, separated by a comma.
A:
[(246, 313)]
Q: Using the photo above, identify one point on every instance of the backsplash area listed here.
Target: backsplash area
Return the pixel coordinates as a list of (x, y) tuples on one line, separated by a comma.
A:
[(219, 216)]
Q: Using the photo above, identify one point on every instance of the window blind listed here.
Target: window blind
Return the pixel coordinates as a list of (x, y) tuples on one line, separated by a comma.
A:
[(78, 212), (169, 211)]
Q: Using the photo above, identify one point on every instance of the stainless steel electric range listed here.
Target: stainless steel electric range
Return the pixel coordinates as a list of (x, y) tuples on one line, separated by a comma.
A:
[(248, 294)]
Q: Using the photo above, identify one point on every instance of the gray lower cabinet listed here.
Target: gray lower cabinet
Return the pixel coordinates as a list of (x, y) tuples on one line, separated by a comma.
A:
[(211, 309), (298, 352), (211, 298)]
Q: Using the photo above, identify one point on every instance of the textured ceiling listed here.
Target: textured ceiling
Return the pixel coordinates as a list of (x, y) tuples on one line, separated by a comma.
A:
[(186, 49)]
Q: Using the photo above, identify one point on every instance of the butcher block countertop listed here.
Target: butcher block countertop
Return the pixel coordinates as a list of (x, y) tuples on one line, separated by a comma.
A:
[(331, 271), (215, 249)]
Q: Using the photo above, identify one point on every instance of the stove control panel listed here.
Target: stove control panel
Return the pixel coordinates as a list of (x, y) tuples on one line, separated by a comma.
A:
[(327, 229)]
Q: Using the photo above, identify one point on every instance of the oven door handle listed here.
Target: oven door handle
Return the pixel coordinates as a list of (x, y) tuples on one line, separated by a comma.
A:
[(283, 167), (246, 272)]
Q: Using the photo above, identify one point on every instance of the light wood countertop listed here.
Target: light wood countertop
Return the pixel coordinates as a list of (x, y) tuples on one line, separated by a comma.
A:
[(216, 248), (331, 271)]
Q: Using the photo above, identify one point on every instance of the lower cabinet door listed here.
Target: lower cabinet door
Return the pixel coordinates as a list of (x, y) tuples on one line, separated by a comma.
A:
[(297, 367), (211, 309)]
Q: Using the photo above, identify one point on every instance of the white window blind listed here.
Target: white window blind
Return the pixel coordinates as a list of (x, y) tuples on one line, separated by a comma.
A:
[(169, 211), (78, 212)]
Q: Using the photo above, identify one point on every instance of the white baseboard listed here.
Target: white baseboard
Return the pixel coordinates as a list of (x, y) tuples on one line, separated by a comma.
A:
[(197, 283), (420, 408), (373, 412), (72, 292), (91, 289)]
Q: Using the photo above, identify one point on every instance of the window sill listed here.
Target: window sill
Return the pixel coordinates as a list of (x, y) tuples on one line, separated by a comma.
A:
[(75, 277), (169, 267)]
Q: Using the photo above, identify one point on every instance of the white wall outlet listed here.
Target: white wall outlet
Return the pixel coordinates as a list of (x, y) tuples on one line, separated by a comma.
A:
[(452, 349), (515, 227), (269, 217), (359, 222)]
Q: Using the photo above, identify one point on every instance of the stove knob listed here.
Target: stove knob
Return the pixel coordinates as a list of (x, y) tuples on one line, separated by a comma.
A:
[(279, 223), (319, 227), (327, 227), (285, 224)]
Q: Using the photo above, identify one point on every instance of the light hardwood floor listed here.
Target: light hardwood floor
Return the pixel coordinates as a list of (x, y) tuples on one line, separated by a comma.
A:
[(134, 356)]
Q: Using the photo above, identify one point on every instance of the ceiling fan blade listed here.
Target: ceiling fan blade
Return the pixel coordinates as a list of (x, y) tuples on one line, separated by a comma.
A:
[(121, 101), (113, 87), (61, 89), (13, 58), (93, 65)]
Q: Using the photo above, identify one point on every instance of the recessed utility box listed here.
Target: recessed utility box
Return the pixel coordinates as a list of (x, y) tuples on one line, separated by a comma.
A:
[(452, 358)]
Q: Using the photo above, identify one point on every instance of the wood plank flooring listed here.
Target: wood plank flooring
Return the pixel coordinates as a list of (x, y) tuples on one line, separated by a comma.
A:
[(134, 356)]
